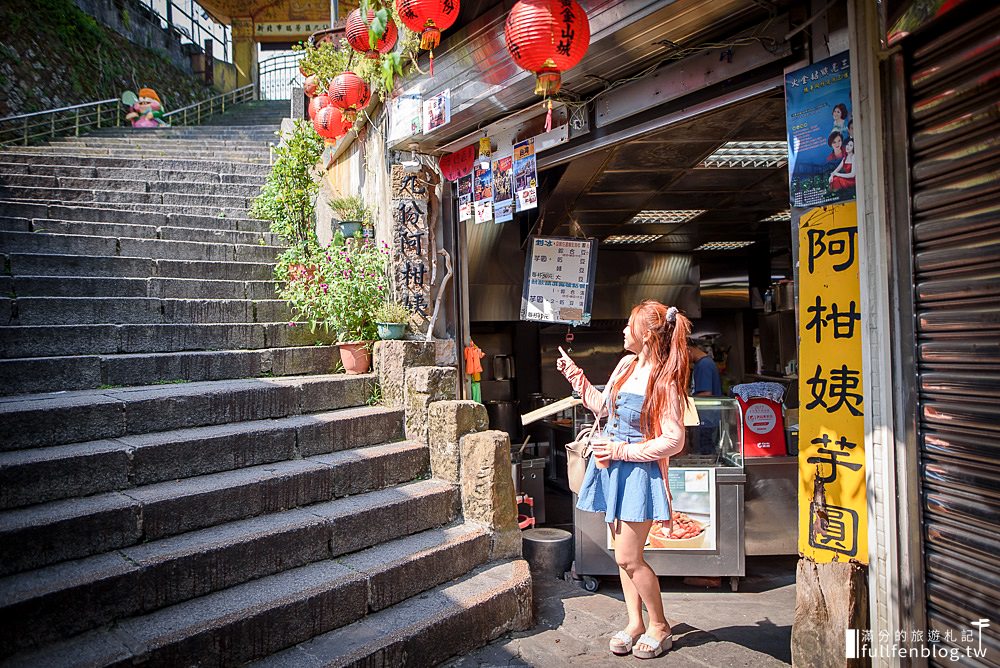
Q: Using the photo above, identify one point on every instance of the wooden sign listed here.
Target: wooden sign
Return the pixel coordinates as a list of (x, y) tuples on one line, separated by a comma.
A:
[(411, 243)]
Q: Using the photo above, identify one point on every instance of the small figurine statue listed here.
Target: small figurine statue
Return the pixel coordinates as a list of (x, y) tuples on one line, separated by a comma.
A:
[(145, 109)]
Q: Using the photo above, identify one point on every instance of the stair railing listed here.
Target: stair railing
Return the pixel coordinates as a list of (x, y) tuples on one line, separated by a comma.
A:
[(39, 126)]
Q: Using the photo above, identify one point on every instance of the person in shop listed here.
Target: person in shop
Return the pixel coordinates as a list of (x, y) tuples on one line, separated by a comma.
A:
[(843, 176), (705, 382), (626, 478)]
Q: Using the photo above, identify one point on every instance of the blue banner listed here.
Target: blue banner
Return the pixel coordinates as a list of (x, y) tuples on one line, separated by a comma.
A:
[(821, 147)]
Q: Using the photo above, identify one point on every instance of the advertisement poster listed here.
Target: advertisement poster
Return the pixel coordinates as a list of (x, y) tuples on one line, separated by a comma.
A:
[(484, 211), (404, 117), (525, 176), (559, 280), (465, 197), (833, 516), (694, 511), (437, 111), (820, 122), (503, 189)]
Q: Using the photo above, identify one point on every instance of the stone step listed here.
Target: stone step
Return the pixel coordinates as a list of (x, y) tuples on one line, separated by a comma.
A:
[(259, 133), (32, 311), (144, 578), (111, 213), (48, 533), (44, 420), (127, 184), (129, 230), (451, 619), (124, 196), (206, 142), (43, 475), (107, 286), (205, 209), (31, 375), (52, 156), (33, 264), (135, 174), (157, 249), (253, 619), (162, 153)]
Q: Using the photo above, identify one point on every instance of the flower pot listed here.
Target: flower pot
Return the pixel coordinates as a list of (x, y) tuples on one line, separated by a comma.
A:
[(355, 356), (391, 331), (349, 227)]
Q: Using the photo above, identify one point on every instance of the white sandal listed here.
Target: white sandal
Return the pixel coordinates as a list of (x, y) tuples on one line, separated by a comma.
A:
[(658, 648), (623, 646)]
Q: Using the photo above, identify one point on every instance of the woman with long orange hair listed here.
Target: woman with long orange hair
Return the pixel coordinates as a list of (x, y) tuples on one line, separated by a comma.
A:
[(626, 477)]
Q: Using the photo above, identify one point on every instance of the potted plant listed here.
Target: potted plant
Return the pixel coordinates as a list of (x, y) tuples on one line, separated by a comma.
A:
[(391, 318), (352, 214)]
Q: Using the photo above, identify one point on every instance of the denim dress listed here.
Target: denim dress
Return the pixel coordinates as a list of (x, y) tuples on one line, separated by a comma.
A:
[(626, 491)]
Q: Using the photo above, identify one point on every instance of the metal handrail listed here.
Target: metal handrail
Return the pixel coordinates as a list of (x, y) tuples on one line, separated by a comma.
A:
[(197, 111), (5, 119)]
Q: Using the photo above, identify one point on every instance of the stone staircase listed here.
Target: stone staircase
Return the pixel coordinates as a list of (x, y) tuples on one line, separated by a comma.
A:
[(183, 478)]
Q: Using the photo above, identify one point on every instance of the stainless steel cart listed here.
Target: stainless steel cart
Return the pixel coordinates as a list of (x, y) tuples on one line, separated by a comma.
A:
[(707, 483)]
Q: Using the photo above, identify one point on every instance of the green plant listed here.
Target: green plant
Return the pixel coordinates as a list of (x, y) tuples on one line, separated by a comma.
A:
[(392, 312), (352, 208), (287, 198), (375, 395)]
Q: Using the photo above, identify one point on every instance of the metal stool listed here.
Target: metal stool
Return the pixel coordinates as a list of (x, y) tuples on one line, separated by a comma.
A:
[(548, 551)]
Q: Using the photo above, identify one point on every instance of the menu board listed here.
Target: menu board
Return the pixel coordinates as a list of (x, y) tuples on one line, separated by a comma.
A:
[(559, 280)]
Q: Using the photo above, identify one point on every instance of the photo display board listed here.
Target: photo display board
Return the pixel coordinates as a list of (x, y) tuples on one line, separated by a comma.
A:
[(559, 280)]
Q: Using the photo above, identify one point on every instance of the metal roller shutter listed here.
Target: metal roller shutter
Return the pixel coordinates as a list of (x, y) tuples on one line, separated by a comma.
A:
[(955, 188)]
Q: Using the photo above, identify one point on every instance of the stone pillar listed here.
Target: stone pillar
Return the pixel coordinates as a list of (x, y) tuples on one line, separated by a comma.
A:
[(488, 489), (244, 52), (392, 359), (423, 386), (447, 423), (829, 599)]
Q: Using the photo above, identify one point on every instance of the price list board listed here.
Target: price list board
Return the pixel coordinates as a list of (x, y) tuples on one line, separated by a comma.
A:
[(559, 280)]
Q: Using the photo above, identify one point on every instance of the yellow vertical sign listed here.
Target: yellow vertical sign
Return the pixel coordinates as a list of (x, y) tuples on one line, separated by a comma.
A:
[(833, 521)]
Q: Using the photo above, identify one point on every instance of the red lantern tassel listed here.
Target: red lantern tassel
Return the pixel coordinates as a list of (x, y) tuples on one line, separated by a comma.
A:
[(548, 116)]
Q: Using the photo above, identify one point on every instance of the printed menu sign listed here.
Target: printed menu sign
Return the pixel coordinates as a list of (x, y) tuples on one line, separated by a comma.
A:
[(559, 280)]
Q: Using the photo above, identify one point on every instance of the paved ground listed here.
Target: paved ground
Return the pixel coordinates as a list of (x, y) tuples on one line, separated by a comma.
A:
[(712, 627)]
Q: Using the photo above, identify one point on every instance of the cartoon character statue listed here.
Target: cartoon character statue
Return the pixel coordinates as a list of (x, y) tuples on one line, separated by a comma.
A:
[(145, 109)]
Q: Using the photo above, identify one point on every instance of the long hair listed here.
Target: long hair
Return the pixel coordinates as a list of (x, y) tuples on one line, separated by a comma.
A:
[(668, 354)]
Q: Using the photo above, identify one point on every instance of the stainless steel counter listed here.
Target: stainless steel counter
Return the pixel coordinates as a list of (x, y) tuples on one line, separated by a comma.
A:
[(770, 506)]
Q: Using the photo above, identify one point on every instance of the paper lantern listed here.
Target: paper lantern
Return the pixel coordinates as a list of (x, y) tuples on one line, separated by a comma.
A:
[(428, 18), (547, 37), (458, 164), (310, 85), (318, 103), (358, 38), (349, 93), (329, 123)]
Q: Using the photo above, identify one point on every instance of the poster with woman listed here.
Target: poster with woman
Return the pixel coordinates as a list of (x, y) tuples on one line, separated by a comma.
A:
[(820, 124), (482, 193), (503, 189)]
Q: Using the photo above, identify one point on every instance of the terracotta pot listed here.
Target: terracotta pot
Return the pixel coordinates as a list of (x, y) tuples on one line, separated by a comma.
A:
[(355, 356)]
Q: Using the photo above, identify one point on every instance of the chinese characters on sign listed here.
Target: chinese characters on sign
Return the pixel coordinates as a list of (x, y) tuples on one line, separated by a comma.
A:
[(525, 176), (559, 280), (832, 517), (288, 28), (821, 133), (410, 242)]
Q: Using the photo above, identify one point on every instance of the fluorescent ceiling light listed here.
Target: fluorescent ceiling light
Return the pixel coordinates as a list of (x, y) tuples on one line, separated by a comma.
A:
[(780, 217), (748, 155), (659, 217), (723, 245), (632, 238)]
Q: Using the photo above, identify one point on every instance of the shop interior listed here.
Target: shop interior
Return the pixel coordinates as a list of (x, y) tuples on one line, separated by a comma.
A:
[(695, 215)]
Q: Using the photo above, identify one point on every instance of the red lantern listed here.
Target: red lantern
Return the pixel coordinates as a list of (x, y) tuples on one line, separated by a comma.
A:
[(310, 85), (547, 37), (428, 18), (330, 124), (349, 93), (318, 103), (458, 164), (357, 35)]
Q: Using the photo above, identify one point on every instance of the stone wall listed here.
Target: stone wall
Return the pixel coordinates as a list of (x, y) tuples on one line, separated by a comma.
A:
[(136, 23)]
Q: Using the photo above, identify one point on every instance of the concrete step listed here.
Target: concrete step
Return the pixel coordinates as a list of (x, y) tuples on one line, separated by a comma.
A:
[(451, 619), (32, 311), (42, 475), (134, 174), (127, 184), (32, 375), (112, 213), (137, 140), (53, 156), (128, 230), (44, 420), (124, 196), (161, 153), (56, 531), (206, 209), (157, 249), (35, 264), (107, 286), (141, 579)]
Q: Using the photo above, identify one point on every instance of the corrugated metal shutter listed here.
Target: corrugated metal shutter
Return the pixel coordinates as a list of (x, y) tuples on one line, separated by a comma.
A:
[(955, 187)]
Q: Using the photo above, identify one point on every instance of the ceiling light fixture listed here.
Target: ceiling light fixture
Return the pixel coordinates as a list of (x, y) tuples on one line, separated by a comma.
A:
[(632, 238), (748, 155), (780, 217), (723, 245), (653, 217)]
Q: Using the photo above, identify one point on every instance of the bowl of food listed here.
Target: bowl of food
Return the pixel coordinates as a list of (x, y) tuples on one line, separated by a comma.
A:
[(687, 532)]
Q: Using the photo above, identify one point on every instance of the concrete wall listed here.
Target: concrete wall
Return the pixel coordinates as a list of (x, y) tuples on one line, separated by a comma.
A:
[(136, 23), (225, 76)]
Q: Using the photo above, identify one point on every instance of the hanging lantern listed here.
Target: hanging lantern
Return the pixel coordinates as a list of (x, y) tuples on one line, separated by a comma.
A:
[(317, 103), (329, 123), (349, 93), (358, 37), (428, 18), (547, 37), (310, 85), (458, 164)]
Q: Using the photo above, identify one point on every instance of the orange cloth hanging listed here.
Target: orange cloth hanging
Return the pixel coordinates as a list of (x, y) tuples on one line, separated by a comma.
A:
[(473, 354)]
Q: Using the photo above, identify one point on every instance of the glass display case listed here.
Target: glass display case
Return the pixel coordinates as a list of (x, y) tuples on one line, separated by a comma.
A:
[(716, 441)]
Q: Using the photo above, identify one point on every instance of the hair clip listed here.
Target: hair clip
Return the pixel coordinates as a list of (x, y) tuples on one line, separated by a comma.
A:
[(672, 314)]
